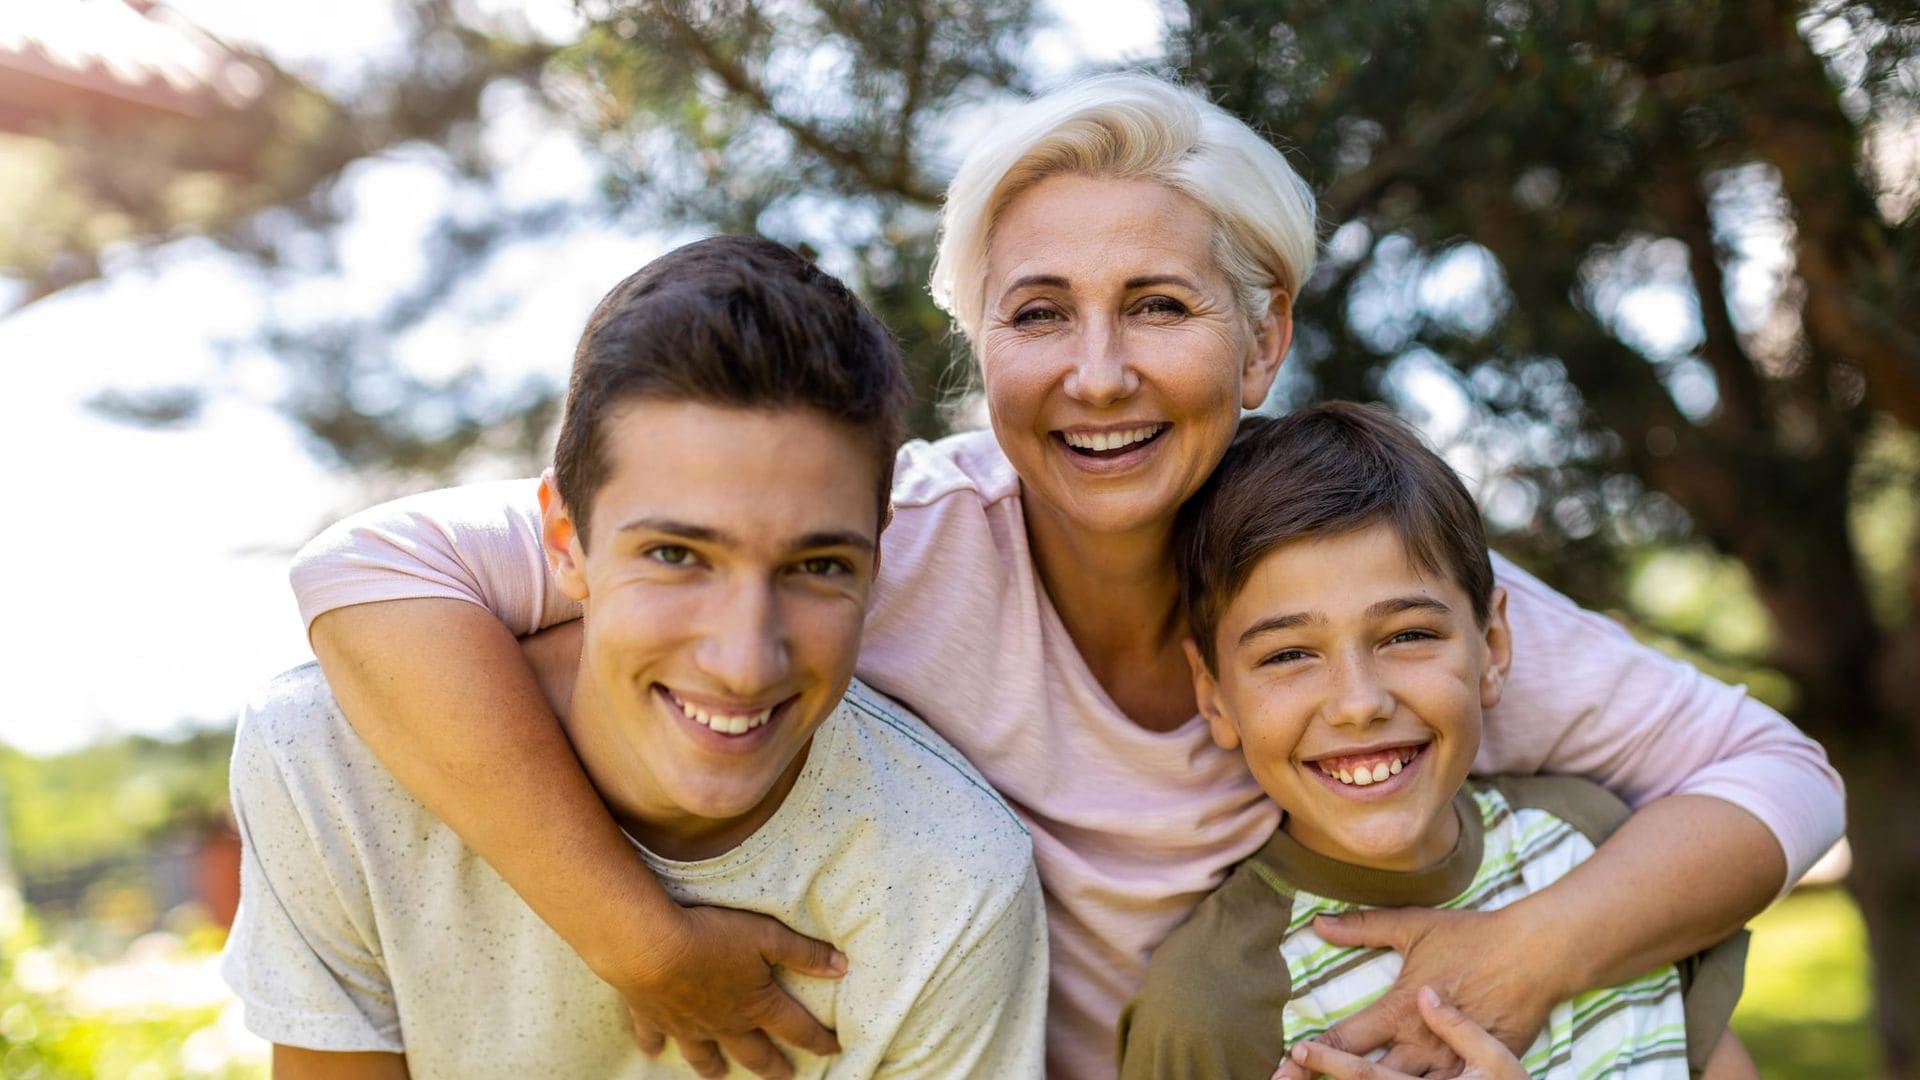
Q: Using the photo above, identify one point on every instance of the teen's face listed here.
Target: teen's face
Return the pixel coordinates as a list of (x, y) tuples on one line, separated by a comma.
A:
[(725, 579), (1354, 682), (1115, 355)]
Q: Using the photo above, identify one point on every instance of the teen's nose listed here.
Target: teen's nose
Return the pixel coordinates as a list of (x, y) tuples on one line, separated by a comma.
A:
[(743, 644)]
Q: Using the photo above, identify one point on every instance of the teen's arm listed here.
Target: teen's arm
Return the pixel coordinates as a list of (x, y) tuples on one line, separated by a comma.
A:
[(1733, 804), (398, 602), (295, 1063)]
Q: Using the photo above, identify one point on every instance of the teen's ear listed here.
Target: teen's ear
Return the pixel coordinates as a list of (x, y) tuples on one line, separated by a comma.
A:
[(561, 541), (1499, 640), (1272, 337), (1206, 692)]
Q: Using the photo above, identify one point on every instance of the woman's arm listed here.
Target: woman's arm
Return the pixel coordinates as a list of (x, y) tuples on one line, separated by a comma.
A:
[(439, 689)]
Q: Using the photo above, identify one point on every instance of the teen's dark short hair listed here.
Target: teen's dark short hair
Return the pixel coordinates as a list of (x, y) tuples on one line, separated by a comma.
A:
[(733, 321), (1319, 472)]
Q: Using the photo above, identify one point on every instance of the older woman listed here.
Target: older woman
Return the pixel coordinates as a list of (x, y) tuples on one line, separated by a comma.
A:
[(1122, 256)]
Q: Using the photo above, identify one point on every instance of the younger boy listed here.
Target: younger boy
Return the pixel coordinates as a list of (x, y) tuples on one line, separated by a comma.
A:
[(1347, 635), (716, 503)]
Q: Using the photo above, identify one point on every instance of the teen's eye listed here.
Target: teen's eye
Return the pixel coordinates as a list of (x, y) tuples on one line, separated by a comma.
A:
[(825, 566), (1405, 636), (670, 554)]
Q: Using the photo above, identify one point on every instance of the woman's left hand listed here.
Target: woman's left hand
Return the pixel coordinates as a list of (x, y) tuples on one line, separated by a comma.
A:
[(1484, 1056), (1482, 962)]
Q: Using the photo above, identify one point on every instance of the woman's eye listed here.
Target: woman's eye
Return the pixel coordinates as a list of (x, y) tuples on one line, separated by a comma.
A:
[(670, 554), (1162, 305), (1037, 314)]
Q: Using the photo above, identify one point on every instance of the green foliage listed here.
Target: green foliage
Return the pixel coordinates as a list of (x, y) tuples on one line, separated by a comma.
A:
[(110, 800), (1805, 1012)]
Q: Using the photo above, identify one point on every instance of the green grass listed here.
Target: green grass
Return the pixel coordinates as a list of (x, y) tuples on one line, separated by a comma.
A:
[(1806, 1012)]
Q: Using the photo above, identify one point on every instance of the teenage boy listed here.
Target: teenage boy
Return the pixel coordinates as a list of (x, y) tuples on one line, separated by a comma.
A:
[(716, 502), (1347, 635)]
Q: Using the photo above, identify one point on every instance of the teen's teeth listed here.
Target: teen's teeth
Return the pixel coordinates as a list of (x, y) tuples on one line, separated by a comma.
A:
[(1345, 776), (1380, 773), (724, 723), (1394, 767), (1111, 440)]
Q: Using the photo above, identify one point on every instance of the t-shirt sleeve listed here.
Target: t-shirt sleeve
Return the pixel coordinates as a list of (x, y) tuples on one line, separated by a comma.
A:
[(1212, 1004), (1584, 698), (301, 956), (479, 543), (983, 1013)]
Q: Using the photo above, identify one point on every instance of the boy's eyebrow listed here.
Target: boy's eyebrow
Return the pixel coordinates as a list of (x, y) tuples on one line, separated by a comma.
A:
[(708, 535), (1396, 605), (1390, 606), (1280, 622)]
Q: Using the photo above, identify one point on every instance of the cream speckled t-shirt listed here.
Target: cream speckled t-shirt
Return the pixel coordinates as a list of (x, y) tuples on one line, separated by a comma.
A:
[(366, 924)]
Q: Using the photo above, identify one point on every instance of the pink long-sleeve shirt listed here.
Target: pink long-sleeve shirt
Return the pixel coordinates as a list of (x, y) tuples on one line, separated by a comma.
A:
[(1130, 827)]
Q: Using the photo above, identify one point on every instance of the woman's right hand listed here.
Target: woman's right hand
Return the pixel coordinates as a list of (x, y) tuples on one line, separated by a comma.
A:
[(710, 988), (1486, 1057)]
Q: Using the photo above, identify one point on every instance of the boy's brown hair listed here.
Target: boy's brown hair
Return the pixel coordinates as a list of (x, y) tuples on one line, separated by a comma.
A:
[(734, 321), (1320, 472)]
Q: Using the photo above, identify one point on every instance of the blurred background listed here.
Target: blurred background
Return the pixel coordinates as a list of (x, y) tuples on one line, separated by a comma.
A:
[(1648, 272)]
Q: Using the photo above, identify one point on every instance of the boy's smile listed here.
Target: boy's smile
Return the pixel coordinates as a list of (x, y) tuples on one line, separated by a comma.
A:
[(725, 582), (1354, 681)]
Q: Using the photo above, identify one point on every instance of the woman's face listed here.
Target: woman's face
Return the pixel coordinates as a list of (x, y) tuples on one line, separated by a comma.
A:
[(1115, 355)]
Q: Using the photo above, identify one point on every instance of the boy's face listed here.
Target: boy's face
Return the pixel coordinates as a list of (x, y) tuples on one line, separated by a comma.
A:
[(1354, 682), (725, 582)]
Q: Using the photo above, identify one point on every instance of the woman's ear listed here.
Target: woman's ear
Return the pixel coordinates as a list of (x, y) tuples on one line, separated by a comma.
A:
[(1499, 642), (1206, 693), (1272, 336), (566, 552)]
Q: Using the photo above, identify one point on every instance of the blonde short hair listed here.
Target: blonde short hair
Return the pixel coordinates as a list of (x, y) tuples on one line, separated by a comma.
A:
[(1132, 126)]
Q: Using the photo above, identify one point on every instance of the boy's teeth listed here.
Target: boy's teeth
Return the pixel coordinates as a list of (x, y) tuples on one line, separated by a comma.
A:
[(1111, 440), (724, 723), (1363, 775)]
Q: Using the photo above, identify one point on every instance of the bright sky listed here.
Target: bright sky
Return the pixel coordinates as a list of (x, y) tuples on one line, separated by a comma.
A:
[(149, 587)]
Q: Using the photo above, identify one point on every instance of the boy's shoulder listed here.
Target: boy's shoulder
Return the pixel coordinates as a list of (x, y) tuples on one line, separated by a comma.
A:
[(930, 799), (1589, 808)]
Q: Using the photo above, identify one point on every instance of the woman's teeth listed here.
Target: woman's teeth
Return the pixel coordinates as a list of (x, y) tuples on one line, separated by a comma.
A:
[(1110, 440), (724, 723)]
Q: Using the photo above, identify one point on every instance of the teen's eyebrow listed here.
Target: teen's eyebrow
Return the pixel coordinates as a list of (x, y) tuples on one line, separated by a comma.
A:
[(1280, 622), (1398, 604), (684, 530), (830, 539)]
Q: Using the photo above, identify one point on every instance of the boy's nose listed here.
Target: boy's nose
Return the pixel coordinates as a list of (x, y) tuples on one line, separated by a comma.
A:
[(1358, 696)]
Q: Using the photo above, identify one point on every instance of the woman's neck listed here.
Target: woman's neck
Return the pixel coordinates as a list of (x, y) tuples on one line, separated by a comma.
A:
[(1118, 596)]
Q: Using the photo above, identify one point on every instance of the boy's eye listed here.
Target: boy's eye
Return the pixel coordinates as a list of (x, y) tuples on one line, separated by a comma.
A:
[(1283, 656), (670, 554), (1412, 635)]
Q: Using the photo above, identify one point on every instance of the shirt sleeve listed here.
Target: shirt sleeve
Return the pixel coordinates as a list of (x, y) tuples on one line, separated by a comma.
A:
[(984, 1011), (1584, 698), (479, 543), (301, 956)]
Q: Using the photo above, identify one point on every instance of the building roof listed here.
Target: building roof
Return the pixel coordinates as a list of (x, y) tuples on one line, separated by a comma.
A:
[(112, 62)]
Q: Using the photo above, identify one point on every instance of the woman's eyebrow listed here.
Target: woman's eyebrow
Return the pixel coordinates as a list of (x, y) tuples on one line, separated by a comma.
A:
[(1051, 281), (1161, 279)]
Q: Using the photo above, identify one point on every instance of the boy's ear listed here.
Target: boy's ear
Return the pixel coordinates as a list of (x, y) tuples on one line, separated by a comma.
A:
[(1206, 693), (561, 541), (1272, 337), (1499, 639)]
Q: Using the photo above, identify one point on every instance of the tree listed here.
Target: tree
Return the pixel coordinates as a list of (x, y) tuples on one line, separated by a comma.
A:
[(1569, 153), (1501, 181)]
